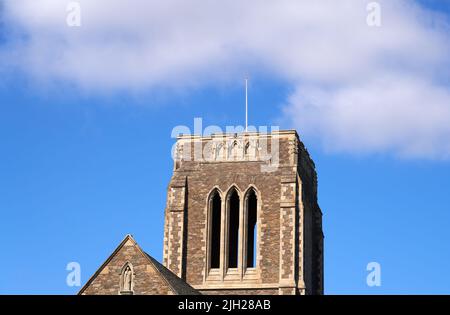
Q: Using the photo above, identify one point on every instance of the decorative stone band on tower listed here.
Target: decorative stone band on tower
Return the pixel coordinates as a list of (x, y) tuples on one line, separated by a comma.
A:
[(242, 215)]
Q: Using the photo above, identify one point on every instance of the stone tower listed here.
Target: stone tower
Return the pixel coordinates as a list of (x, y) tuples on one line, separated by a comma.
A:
[(242, 215)]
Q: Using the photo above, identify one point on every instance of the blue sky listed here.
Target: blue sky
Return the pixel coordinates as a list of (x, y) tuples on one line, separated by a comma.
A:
[(85, 142)]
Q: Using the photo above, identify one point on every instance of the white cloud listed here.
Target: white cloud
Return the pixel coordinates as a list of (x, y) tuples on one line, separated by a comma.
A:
[(357, 88), (407, 116)]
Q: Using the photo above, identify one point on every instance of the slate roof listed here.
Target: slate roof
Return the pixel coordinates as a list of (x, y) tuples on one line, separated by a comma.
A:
[(178, 285)]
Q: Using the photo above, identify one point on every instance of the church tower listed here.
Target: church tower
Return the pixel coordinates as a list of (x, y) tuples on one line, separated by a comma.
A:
[(242, 215)]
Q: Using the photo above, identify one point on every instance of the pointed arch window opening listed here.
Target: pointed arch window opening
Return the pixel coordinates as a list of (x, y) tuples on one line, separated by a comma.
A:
[(233, 229), (216, 219), (251, 228), (232, 234)]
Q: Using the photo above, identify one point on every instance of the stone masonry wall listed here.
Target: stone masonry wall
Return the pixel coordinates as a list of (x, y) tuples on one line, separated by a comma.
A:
[(146, 278), (282, 193), (241, 292)]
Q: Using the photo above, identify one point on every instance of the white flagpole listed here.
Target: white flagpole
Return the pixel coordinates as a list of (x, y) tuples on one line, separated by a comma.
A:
[(246, 105)]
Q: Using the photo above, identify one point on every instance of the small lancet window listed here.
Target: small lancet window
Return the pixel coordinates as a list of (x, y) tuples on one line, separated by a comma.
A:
[(215, 204), (252, 206), (233, 229)]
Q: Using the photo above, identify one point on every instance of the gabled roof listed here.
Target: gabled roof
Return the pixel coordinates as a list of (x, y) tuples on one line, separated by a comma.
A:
[(178, 285)]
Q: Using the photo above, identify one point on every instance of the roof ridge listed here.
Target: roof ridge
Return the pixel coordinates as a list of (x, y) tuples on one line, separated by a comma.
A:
[(102, 266)]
